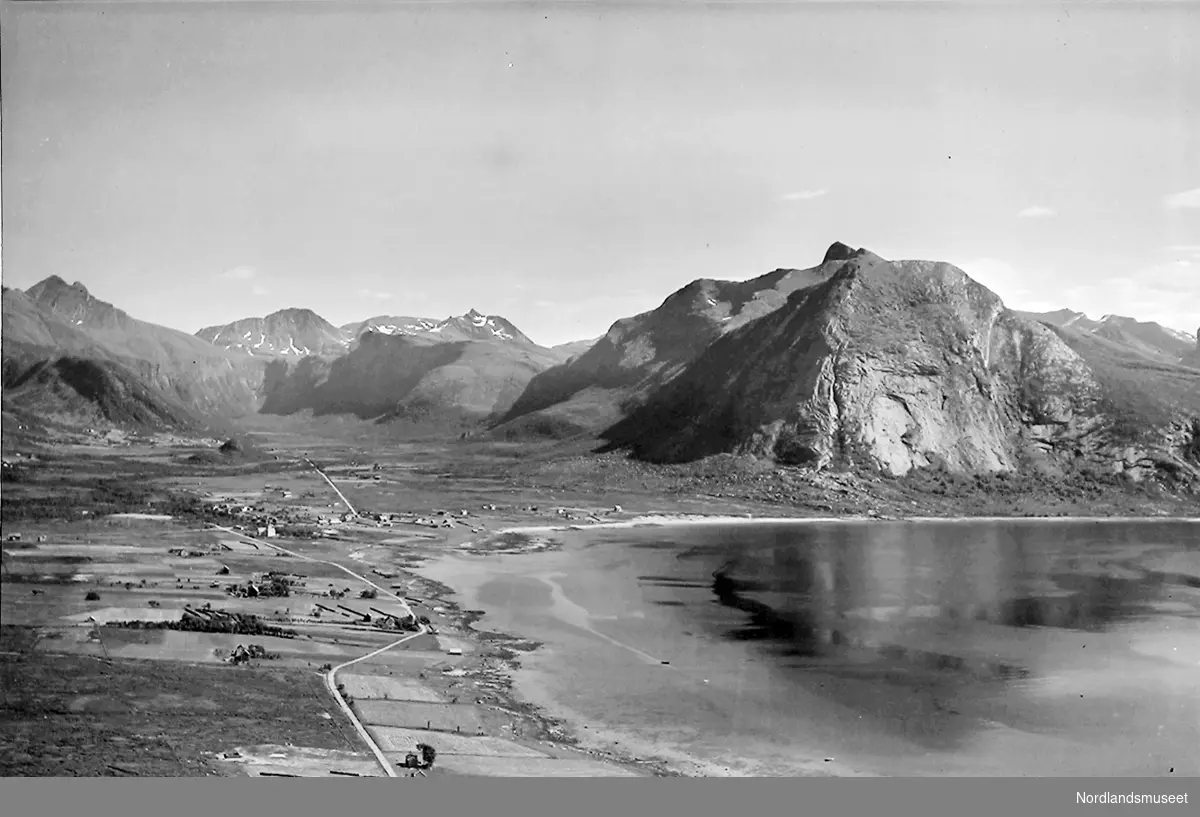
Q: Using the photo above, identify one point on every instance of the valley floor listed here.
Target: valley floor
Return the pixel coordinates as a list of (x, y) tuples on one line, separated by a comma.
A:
[(117, 541)]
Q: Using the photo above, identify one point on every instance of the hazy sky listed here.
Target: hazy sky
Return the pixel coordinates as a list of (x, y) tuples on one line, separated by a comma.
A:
[(569, 164)]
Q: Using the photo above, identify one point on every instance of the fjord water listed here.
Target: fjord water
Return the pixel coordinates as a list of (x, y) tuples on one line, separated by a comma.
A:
[(946, 648)]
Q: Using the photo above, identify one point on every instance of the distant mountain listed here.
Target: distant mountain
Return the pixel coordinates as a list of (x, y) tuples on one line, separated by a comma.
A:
[(70, 357), (473, 325), (288, 332), (71, 354), (912, 364), (574, 348), (391, 325), (412, 377), (1142, 338), (209, 379)]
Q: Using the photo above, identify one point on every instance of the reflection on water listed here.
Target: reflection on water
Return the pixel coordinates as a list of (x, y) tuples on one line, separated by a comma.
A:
[(822, 579), (935, 630), (975, 648)]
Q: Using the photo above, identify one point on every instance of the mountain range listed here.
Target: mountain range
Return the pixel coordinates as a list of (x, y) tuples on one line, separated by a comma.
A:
[(1144, 338), (857, 361)]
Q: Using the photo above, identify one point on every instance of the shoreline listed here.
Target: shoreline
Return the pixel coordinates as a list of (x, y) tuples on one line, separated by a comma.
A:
[(560, 730), (529, 692), (683, 520)]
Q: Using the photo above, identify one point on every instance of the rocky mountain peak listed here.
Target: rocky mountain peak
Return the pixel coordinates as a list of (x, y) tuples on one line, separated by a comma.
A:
[(291, 332), (841, 252)]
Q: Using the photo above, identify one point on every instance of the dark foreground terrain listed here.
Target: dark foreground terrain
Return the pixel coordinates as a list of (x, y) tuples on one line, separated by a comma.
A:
[(91, 716)]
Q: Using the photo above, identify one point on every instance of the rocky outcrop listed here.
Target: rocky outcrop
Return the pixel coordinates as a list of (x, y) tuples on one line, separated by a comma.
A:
[(889, 365)]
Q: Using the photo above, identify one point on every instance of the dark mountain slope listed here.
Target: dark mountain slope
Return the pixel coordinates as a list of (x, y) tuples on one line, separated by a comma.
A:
[(640, 353), (80, 391), (388, 376), (211, 381)]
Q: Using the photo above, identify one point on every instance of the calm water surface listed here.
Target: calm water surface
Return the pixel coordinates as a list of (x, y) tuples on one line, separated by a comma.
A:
[(976, 648)]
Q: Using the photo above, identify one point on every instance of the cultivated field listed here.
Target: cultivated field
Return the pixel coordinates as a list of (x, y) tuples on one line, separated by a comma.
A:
[(212, 587)]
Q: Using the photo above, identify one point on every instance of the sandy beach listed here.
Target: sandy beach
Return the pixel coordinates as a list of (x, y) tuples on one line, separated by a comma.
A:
[(680, 520)]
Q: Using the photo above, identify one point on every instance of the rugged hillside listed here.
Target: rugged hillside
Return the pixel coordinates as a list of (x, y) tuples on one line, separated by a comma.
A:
[(192, 371), (901, 366), (1140, 338), (68, 352), (58, 373), (473, 325), (80, 391), (640, 353), (288, 332), (411, 377)]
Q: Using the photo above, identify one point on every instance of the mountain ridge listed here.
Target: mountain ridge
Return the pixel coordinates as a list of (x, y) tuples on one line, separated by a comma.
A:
[(306, 333), (857, 361), (905, 365), (60, 361), (1148, 338)]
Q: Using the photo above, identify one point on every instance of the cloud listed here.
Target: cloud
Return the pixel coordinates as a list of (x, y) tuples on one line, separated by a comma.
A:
[(803, 195), (259, 289), (1188, 198), (375, 296), (241, 273), (1037, 211)]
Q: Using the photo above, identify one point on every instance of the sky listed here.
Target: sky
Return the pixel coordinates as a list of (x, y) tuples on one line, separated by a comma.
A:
[(568, 164)]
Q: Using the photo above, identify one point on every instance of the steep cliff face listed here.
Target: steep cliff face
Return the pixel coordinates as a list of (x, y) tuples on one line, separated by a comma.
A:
[(894, 365)]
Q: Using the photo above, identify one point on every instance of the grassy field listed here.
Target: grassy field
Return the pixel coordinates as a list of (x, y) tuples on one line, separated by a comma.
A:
[(72, 715)]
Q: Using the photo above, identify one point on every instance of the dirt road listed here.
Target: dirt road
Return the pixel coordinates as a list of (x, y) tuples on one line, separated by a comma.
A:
[(331, 485), (331, 676)]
